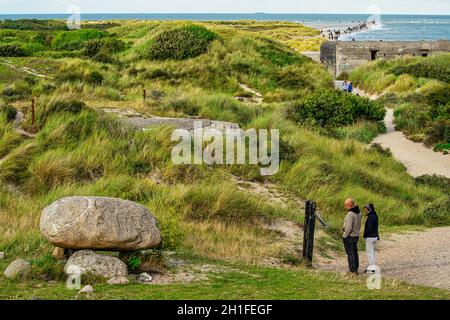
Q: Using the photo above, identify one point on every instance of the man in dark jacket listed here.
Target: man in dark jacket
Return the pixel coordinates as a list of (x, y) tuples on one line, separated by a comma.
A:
[(371, 235), (352, 228)]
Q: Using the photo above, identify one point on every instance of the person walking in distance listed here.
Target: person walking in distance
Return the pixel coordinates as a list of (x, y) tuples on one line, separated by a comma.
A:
[(352, 228), (372, 236), (345, 86)]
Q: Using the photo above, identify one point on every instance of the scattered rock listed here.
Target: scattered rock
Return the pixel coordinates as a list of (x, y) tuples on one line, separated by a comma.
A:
[(144, 278), (97, 264), (99, 223), (118, 280), (87, 289), (58, 253), (17, 268), (2, 255)]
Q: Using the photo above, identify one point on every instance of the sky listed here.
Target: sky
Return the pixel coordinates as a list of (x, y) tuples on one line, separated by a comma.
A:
[(227, 6)]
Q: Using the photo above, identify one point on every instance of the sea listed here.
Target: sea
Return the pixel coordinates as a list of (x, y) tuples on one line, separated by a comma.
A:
[(387, 27)]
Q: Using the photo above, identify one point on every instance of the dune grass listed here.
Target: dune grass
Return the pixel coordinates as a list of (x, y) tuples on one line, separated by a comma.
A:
[(79, 150)]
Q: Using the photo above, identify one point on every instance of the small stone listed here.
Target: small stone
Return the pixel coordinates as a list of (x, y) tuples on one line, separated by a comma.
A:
[(144, 278), (118, 280), (17, 268), (87, 289), (2, 255), (58, 253)]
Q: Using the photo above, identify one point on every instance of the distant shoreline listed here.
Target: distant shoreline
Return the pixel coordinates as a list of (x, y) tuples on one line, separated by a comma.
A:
[(393, 27)]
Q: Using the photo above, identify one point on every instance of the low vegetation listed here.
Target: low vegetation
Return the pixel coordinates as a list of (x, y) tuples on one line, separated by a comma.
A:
[(418, 89)]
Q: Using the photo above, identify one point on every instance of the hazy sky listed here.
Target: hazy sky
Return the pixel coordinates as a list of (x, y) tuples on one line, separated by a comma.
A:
[(230, 6)]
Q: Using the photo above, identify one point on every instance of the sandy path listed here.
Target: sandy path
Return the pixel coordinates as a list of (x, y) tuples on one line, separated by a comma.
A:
[(415, 257), (418, 159)]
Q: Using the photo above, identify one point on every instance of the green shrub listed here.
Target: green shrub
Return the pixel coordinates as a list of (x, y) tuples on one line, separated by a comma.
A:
[(98, 49), (18, 90), (438, 214), (343, 76), (9, 112), (435, 181), (185, 106), (95, 78), (12, 50), (60, 106), (378, 148), (182, 43), (277, 55), (74, 40), (439, 132), (425, 69), (334, 108), (33, 24)]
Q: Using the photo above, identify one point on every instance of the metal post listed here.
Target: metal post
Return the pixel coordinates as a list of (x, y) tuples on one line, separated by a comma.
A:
[(33, 120), (308, 235)]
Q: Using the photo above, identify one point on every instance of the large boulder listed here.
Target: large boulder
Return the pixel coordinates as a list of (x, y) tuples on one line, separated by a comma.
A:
[(99, 223), (87, 261), (18, 268)]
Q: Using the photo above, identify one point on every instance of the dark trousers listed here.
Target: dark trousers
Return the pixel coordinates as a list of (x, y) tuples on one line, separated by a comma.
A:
[(351, 248)]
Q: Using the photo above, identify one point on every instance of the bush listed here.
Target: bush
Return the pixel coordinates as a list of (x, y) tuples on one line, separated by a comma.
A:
[(9, 112), (18, 90), (75, 40), (425, 69), (343, 76), (98, 49), (438, 214), (435, 181), (33, 24), (95, 78), (60, 106), (12, 50), (182, 43), (334, 108), (439, 132), (378, 148)]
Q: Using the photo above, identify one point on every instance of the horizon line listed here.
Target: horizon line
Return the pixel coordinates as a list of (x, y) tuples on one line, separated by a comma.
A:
[(254, 13)]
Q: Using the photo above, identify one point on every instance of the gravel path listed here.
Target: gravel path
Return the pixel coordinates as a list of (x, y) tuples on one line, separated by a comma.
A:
[(415, 257), (418, 159)]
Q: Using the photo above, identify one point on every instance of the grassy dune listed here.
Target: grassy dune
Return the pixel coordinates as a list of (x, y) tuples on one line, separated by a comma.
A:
[(78, 150)]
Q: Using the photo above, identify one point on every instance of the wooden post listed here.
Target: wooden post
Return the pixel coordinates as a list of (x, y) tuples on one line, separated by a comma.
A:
[(308, 233), (33, 116), (145, 94)]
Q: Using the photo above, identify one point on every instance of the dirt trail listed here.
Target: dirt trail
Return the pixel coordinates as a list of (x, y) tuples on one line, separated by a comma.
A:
[(30, 71), (414, 257), (416, 157), (256, 96)]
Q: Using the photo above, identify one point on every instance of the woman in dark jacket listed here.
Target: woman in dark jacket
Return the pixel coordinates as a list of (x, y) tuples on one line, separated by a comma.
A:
[(371, 235)]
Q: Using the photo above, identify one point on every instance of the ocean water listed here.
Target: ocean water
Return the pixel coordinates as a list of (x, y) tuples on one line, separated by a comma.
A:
[(389, 27)]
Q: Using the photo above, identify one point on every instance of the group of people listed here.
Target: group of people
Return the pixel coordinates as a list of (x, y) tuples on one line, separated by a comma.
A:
[(335, 34), (352, 230), (347, 86)]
